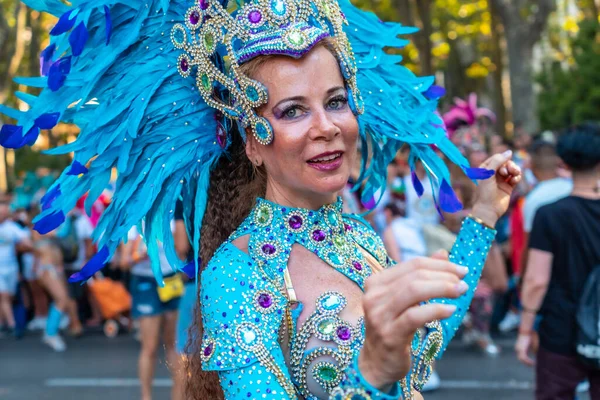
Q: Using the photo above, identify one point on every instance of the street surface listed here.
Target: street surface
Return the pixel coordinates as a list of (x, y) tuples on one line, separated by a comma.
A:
[(97, 368)]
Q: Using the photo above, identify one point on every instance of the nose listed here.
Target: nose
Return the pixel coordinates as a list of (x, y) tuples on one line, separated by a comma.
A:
[(323, 127)]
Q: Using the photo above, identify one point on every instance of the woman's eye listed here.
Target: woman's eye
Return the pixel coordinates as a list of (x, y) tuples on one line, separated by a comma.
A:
[(338, 103), (292, 112)]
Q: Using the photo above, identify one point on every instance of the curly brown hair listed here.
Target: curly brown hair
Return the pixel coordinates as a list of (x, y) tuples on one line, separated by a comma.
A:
[(235, 184)]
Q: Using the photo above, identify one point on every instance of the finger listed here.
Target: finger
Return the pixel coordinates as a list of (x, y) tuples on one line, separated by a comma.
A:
[(419, 263), (503, 171), (440, 255), (515, 180), (416, 317), (441, 285), (513, 168), (497, 160)]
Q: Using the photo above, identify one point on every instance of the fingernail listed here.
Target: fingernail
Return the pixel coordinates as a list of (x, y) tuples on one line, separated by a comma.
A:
[(507, 153), (462, 287), (462, 271), (450, 308)]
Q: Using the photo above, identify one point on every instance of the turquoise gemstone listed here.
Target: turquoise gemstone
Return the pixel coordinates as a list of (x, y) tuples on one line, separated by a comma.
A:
[(262, 131), (327, 373), (279, 7), (252, 93), (336, 258), (331, 302), (248, 335), (332, 218)]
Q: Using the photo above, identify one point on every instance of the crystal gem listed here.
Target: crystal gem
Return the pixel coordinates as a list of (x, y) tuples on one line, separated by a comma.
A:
[(194, 17), (347, 227), (339, 241), (203, 4), (252, 93), (343, 332), (326, 326), (263, 215), (331, 302), (332, 218), (371, 241), (206, 83), (221, 136), (296, 38), (261, 131), (209, 41), (185, 66), (295, 222), (327, 373), (268, 249), (265, 300), (357, 266), (335, 258), (278, 7), (208, 350), (248, 335), (254, 16), (318, 235)]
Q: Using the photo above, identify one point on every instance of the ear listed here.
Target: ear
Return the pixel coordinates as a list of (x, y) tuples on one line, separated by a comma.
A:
[(252, 148)]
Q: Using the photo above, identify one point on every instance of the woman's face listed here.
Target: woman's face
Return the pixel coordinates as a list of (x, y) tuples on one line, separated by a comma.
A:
[(315, 131)]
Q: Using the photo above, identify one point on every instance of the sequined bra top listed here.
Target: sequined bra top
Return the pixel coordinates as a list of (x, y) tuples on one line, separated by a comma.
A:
[(249, 307)]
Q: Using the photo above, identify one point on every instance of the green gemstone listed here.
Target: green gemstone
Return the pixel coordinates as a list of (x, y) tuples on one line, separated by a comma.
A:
[(263, 215), (331, 302), (326, 327), (296, 38), (205, 81), (339, 242), (327, 373), (209, 41), (431, 352)]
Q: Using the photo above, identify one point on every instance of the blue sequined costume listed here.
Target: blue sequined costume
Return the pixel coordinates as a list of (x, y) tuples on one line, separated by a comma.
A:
[(249, 305)]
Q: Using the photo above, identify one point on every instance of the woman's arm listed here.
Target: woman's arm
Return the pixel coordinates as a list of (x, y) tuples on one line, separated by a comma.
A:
[(391, 247)]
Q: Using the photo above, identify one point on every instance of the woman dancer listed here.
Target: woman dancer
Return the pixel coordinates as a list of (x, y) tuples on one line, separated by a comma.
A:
[(299, 301)]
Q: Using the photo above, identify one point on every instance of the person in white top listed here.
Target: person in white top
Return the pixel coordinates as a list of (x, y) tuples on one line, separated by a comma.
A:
[(157, 312), (550, 188), (11, 238)]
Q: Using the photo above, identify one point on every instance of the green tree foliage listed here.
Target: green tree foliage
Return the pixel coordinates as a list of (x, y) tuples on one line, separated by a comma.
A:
[(571, 94)]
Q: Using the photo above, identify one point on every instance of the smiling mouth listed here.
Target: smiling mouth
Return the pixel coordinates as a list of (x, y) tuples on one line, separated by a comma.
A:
[(326, 159)]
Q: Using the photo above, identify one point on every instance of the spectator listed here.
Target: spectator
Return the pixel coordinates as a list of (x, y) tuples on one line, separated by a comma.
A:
[(12, 238), (154, 310), (564, 247)]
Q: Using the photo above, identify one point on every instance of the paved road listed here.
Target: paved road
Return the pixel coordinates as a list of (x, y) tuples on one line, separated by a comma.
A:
[(96, 368)]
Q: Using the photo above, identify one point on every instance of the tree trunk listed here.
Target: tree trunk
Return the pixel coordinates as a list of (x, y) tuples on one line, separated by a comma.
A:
[(425, 47), (498, 73), (525, 21)]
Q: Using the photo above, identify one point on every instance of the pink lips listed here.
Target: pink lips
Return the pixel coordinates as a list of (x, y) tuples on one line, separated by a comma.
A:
[(327, 165)]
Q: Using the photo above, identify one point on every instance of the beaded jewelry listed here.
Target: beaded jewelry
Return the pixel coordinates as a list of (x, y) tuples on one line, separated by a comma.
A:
[(259, 27)]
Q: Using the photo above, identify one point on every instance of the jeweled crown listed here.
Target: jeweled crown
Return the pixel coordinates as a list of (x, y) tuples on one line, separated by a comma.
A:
[(217, 37)]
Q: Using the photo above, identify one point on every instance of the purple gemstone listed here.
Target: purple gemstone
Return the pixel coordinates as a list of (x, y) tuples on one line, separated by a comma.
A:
[(194, 17), (295, 222), (208, 350), (184, 65), (254, 16), (203, 4), (357, 266), (318, 235), (347, 227), (268, 249), (265, 300), (343, 332), (221, 136)]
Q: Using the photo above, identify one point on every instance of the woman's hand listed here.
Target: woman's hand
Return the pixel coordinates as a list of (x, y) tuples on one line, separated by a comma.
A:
[(493, 195), (394, 312)]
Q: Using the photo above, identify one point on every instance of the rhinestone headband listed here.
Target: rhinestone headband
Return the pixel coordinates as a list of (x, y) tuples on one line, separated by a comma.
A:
[(216, 42)]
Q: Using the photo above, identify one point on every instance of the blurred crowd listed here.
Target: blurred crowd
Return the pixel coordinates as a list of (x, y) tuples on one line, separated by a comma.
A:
[(36, 296)]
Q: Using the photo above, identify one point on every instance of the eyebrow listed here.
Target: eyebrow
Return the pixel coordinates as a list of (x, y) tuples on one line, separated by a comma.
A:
[(300, 98)]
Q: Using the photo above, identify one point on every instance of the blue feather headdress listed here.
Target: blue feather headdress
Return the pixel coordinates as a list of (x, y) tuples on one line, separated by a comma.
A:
[(112, 70)]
